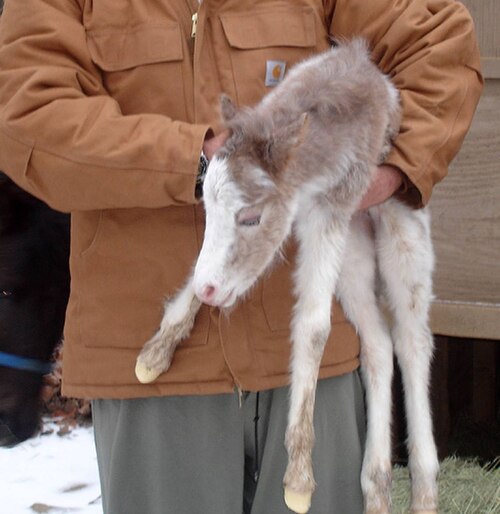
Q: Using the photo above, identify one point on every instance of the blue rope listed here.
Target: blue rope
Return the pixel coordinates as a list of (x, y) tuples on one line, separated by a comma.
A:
[(25, 363)]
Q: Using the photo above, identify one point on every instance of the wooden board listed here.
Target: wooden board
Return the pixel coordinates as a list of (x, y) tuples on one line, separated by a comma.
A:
[(466, 230), (466, 207)]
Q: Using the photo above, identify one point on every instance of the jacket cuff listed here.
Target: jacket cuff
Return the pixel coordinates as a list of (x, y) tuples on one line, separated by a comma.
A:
[(200, 133), (416, 189)]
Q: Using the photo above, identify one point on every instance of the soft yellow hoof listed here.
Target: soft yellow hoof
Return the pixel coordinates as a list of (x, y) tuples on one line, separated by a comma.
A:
[(297, 502), (144, 374)]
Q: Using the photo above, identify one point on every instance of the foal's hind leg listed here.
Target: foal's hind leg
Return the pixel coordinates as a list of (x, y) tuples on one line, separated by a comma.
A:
[(406, 262), (356, 291), (178, 319)]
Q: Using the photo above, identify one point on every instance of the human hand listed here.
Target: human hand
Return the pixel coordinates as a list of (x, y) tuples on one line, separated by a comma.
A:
[(213, 143), (386, 181)]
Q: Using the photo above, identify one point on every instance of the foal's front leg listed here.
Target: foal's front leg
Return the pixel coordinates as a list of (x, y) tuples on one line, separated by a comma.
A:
[(321, 244), (177, 322)]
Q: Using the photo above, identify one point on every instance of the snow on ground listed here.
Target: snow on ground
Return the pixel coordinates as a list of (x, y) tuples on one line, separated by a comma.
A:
[(51, 474)]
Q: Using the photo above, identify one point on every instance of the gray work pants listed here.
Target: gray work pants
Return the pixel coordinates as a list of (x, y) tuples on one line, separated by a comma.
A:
[(208, 455)]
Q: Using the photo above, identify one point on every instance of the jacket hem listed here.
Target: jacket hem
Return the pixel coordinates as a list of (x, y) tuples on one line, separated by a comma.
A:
[(129, 391)]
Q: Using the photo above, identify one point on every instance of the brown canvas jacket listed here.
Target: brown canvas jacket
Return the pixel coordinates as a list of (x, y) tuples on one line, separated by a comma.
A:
[(103, 110)]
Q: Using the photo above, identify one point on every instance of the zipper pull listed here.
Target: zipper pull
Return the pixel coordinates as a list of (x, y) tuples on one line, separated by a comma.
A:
[(194, 19)]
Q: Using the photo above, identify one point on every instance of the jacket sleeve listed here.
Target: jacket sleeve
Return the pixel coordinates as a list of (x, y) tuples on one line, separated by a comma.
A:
[(64, 139), (429, 49)]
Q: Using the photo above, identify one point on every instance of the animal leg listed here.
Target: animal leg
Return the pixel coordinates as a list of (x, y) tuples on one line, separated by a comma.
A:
[(176, 324), (406, 263), (321, 244), (356, 291)]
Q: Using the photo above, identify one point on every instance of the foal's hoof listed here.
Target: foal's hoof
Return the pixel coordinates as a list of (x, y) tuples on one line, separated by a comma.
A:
[(297, 502), (145, 374)]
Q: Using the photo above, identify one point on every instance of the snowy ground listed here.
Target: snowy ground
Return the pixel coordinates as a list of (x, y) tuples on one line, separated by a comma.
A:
[(51, 474)]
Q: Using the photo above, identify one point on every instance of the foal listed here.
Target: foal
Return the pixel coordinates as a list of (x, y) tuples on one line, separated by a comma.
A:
[(300, 161)]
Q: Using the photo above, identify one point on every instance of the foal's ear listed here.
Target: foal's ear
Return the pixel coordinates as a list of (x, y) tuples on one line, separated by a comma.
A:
[(284, 139), (227, 107), (295, 131), (288, 136)]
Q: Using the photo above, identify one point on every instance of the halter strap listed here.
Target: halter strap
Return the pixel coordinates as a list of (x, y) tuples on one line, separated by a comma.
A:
[(25, 363)]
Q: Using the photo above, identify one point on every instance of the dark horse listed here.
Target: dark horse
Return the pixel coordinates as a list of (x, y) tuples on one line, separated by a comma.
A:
[(34, 289)]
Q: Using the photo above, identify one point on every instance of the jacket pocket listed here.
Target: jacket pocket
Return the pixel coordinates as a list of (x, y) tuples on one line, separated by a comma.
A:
[(133, 260), (142, 67), (258, 38), (117, 50)]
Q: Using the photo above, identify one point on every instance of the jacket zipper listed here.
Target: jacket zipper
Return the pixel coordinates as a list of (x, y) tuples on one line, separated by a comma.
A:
[(194, 28), (194, 25)]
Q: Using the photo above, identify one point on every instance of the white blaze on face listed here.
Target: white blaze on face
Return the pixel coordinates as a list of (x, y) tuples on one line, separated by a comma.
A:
[(243, 234), (222, 201)]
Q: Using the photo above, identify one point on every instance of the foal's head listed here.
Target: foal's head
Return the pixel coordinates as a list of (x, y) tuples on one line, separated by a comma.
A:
[(249, 205)]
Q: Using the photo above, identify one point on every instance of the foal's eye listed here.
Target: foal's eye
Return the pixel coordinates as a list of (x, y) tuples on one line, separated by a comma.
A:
[(249, 217), (250, 222)]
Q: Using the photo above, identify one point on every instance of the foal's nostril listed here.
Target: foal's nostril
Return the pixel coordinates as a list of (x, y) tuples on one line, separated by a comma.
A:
[(208, 292)]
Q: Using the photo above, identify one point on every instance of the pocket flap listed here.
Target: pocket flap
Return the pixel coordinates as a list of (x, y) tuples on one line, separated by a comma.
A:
[(291, 27), (115, 50)]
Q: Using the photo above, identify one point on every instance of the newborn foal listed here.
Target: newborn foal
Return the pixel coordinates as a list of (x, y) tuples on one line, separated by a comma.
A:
[(300, 161)]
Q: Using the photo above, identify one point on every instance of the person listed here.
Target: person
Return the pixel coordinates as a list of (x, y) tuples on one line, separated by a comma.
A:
[(106, 109)]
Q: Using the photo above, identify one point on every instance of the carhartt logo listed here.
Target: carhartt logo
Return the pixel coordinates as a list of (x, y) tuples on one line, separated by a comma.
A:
[(275, 71)]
